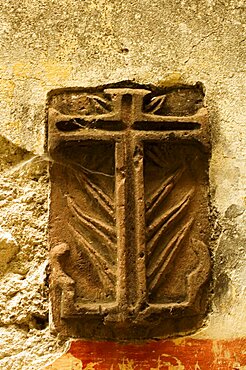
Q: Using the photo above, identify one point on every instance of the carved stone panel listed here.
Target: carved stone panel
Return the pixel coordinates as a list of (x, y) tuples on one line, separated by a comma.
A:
[(128, 223)]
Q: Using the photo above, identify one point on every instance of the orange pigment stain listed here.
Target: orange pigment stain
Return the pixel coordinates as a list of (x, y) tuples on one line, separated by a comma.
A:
[(184, 354)]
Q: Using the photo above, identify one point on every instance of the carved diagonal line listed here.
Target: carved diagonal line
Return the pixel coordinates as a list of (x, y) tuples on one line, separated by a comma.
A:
[(155, 104), (157, 269), (155, 158), (162, 192), (106, 232), (103, 103), (170, 216), (98, 194), (104, 268)]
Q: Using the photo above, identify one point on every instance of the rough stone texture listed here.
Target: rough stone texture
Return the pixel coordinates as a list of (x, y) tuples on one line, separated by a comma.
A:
[(51, 44), (23, 260), (8, 249)]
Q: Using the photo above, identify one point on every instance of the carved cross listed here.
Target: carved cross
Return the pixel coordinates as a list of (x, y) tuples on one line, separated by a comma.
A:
[(143, 257)]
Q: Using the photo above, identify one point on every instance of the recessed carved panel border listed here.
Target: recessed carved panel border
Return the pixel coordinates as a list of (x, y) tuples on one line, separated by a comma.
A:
[(128, 226)]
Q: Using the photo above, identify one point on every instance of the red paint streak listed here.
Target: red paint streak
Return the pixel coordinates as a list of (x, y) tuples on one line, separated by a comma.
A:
[(186, 354)]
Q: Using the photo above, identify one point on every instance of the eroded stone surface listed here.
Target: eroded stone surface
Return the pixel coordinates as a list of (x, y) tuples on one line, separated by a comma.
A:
[(8, 249), (23, 250), (129, 227)]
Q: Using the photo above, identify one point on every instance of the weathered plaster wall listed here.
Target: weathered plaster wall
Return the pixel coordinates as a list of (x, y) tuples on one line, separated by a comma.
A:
[(47, 44)]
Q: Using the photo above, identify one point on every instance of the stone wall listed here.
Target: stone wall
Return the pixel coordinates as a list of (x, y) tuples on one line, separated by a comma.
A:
[(51, 44)]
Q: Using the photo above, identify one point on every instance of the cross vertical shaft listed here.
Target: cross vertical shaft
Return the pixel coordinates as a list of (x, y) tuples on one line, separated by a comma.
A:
[(130, 209)]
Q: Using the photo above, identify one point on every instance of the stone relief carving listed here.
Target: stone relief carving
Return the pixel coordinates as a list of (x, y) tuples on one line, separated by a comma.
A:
[(129, 227)]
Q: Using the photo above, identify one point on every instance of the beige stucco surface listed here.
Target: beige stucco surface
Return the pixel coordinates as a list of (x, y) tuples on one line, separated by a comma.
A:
[(47, 44)]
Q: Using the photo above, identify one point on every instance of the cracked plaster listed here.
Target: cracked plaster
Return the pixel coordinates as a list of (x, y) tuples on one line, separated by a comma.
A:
[(50, 44)]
